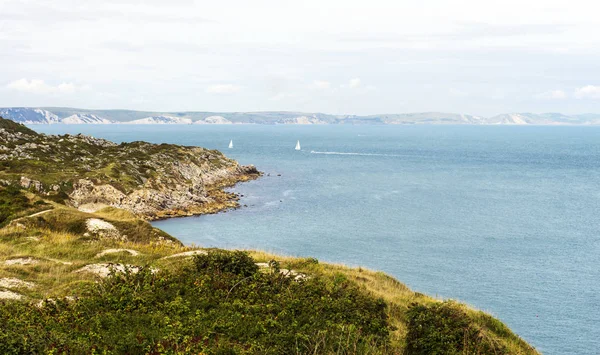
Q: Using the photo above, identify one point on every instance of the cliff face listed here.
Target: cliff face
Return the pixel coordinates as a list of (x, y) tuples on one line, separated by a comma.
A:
[(150, 180)]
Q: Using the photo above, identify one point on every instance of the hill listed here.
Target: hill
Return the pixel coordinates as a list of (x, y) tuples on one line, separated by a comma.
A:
[(54, 115), (152, 181)]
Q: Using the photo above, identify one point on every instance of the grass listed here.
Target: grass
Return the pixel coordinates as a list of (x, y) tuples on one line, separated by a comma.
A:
[(16, 203), (218, 303), (15, 127), (400, 299), (196, 176), (62, 249), (64, 219), (126, 166)]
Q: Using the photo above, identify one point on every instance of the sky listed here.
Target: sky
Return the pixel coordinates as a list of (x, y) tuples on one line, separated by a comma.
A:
[(478, 57)]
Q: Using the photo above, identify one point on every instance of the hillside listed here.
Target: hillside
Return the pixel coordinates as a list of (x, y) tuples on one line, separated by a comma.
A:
[(79, 280), (152, 181)]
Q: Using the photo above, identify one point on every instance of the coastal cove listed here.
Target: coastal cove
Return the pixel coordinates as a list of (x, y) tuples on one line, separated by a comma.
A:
[(502, 218)]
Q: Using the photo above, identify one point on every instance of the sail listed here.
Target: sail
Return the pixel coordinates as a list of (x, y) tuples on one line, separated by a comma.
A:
[(231, 144), (298, 145)]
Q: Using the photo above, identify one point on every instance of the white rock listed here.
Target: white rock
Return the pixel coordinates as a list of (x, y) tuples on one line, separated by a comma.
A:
[(187, 253), (21, 261), (162, 119), (102, 228), (112, 251), (11, 282), (9, 295), (103, 270)]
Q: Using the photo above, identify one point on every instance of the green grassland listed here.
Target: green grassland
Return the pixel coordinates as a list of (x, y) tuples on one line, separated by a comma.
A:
[(220, 302)]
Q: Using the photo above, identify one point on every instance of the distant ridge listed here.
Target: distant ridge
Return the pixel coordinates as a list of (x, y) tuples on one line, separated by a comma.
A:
[(56, 115), (161, 119)]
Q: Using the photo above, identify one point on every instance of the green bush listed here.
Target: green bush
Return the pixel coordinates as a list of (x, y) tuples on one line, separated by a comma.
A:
[(445, 328), (12, 126), (13, 202), (219, 304), (219, 261)]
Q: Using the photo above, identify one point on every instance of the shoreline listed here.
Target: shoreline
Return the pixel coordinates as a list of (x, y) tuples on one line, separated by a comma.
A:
[(224, 201)]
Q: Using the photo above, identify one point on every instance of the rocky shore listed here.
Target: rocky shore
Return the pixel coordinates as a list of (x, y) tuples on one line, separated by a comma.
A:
[(153, 181), (202, 193)]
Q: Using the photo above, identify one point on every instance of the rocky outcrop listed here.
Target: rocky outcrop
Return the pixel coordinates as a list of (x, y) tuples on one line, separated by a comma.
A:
[(158, 198), (150, 180)]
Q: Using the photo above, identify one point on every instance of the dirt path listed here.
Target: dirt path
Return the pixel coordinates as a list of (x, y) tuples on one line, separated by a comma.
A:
[(32, 215)]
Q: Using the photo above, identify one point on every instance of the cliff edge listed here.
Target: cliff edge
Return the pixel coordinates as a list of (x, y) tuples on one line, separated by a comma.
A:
[(150, 180)]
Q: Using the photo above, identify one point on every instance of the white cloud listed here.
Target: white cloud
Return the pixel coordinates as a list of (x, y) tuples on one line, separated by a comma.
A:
[(36, 86), (281, 96), (588, 92), (354, 83), (321, 84), (396, 46), (552, 95), (223, 89), (457, 92)]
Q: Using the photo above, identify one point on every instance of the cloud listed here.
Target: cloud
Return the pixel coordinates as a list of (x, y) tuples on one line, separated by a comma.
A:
[(552, 95), (463, 31), (588, 92), (223, 89), (482, 29), (457, 92), (281, 96), (36, 86), (354, 83), (357, 85), (321, 84)]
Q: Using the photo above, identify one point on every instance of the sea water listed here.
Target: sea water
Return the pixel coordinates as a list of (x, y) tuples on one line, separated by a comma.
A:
[(503, 218)]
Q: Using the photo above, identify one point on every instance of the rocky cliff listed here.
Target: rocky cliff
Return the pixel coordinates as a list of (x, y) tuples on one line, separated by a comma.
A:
[(152, 181)]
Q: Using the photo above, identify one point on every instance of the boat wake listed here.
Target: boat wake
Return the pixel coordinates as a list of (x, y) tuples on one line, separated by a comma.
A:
[(359, 154)]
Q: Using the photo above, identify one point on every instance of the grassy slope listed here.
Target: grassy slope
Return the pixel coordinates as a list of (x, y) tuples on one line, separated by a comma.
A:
[(16, 127), (399, 298), (63, 159), (15, 203), (56, 163), (124, 166), (57, 241)]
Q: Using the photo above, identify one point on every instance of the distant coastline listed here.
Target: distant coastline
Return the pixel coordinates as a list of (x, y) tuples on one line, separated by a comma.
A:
[(59, 115)]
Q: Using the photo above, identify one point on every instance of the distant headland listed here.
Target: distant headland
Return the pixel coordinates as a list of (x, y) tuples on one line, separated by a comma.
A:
[(57, 115)]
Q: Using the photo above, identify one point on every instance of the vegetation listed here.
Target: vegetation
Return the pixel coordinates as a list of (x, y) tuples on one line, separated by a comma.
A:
[(14, 203), (16, 127), (152, 180), (448, 328), (61, 160), (220, 303)]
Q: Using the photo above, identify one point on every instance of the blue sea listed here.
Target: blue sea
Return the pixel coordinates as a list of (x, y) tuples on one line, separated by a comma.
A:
[(506, 219)]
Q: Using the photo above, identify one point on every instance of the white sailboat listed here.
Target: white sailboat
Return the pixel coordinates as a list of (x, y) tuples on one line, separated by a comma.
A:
[(298, 145), (231, 144)]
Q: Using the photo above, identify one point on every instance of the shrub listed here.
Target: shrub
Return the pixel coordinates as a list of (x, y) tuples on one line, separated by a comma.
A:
[(218, 304), (13, 202), (445, 328), (219, 261)]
